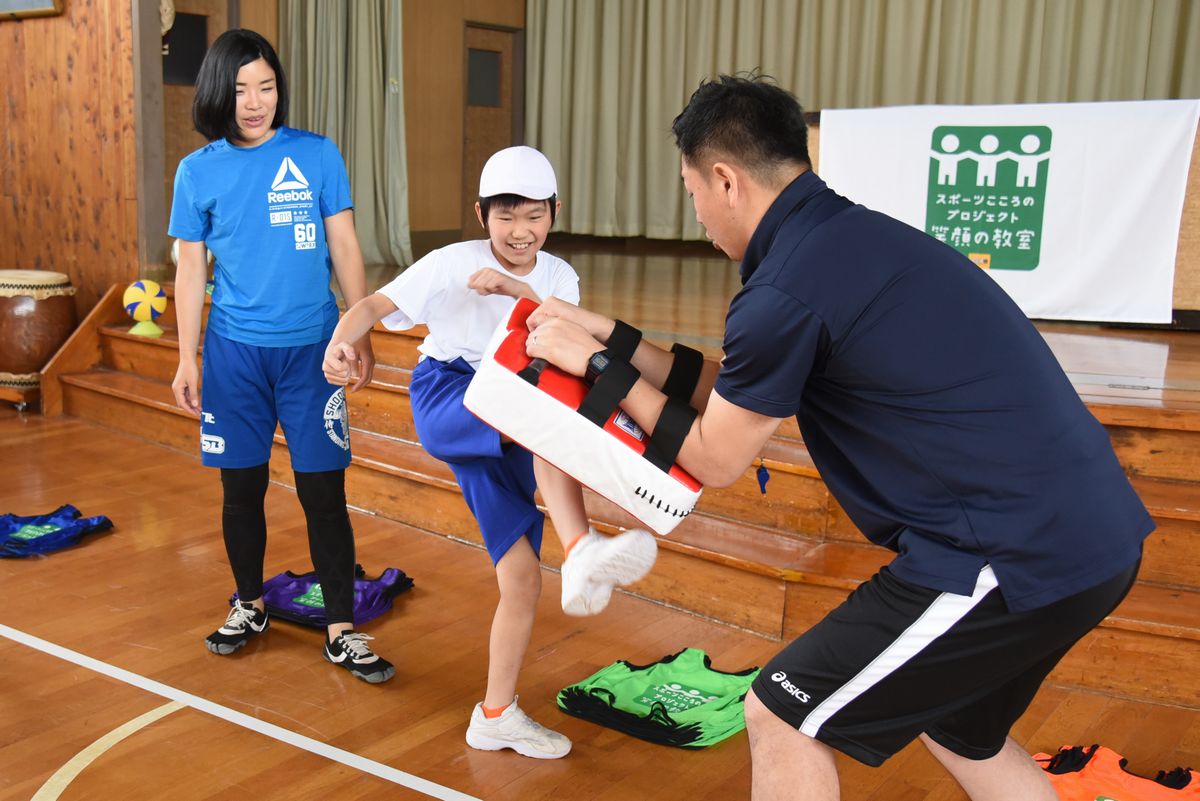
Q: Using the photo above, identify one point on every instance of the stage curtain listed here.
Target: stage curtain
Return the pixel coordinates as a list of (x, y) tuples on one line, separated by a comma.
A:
[(321, 44), (604, 80)]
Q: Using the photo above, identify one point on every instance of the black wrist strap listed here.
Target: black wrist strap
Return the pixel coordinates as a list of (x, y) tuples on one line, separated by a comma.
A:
[(669, 433), (685, 373), (624, 340), (608, 391)]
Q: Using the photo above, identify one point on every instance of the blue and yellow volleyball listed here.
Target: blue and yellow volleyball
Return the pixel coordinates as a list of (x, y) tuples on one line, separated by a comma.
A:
[(144, 300)]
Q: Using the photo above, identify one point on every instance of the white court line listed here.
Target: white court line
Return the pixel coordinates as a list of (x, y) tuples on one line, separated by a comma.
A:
[(62, 778), (279, 733)]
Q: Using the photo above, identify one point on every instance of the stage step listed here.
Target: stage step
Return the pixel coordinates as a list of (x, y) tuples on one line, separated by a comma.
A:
[(760, 578), (772, 564), (797, 505)]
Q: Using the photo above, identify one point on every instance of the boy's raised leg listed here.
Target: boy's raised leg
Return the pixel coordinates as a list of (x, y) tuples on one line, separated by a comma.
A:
[(594, 563)]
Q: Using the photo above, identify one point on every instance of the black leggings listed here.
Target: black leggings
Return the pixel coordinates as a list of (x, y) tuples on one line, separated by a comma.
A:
[(330, 537)]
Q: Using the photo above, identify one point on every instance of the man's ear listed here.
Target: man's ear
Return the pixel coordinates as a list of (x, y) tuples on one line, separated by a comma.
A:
[(727, 179), (479, 215)]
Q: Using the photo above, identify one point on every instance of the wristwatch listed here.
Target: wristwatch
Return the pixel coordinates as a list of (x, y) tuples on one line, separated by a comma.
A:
[(597, 365)]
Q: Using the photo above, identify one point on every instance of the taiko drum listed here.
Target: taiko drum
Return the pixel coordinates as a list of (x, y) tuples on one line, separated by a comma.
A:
[(37, 314)]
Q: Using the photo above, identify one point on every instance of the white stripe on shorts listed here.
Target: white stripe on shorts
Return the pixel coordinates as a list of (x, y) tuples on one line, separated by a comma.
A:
[(943, 613)]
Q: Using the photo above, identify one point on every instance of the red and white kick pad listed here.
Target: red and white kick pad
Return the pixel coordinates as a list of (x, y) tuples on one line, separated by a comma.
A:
[(544, 419)]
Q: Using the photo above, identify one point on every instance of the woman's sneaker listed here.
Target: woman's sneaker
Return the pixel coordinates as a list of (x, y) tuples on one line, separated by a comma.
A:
[(598, 563), (516, 730), (350, 650), (244, 622)]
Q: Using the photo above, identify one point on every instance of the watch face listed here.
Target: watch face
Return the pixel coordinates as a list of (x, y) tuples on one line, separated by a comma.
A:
[(596, 365)]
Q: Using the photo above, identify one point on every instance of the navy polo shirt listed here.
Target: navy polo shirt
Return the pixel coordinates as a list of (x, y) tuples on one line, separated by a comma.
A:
[(935, 412)]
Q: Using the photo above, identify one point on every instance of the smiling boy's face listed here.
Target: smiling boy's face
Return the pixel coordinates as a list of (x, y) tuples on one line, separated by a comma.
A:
[(517, 234)]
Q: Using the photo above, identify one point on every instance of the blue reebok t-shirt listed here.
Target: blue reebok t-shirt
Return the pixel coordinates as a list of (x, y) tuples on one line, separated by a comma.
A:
[(261, 211), (934, 410)]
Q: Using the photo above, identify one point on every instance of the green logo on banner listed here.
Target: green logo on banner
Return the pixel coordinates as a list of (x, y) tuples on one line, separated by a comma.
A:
[(674, 696), (987, 192), (314, 597), (31, 532)]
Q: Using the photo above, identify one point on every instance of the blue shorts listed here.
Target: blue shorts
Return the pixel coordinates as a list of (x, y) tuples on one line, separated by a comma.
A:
[(246, 389), (496, 478)]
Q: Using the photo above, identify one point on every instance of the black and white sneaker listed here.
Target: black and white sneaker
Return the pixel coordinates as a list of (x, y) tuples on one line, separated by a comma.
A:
[(244, 622), (350, 650)]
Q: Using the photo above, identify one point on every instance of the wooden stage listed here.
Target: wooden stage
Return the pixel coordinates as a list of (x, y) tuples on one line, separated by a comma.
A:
[(109, 693)]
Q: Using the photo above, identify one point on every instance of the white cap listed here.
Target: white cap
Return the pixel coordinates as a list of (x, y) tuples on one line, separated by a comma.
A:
[(520, 171)]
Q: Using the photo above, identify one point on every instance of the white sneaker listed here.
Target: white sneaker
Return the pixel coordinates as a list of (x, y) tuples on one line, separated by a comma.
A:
[(598, 563), (516, 730)]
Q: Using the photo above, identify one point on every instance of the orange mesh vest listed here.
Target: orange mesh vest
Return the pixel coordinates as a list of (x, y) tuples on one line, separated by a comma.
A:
[(1098, 774)]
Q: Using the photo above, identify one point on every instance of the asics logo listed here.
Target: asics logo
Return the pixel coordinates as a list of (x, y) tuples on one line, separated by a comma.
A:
[(781, 679)]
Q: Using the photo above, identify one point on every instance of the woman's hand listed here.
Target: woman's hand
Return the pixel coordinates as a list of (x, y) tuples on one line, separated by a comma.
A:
[(186, 387), (365, 368)]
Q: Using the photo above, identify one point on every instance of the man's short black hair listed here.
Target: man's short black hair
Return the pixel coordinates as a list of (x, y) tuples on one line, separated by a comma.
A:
[(508, 202), (215, 104), (745, 117)]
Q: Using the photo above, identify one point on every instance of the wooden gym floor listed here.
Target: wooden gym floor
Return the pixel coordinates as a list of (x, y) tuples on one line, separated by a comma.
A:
[(106, 690), (108, 635)]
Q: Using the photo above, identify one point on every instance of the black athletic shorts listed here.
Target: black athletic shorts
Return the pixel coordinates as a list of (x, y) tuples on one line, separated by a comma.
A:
[(897, 660)]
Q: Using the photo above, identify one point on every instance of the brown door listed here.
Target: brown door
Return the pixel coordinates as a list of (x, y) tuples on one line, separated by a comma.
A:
[(492, 113)]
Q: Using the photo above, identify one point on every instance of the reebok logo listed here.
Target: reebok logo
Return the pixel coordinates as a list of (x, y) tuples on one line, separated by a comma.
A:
[(781, 679), (289, 184)]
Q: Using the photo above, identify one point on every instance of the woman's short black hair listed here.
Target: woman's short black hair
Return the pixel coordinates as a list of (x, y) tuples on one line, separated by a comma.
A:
[(746, 117), (215, 104), (506, 202)]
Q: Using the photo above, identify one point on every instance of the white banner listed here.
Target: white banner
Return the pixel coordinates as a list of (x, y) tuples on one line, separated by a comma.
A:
[(1073, 208)]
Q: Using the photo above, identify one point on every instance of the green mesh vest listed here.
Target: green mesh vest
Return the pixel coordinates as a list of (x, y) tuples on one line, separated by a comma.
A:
[(679, 700)]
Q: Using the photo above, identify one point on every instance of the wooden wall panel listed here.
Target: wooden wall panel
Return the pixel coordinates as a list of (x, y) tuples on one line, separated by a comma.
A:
[(261, 16), (180, 137), (68, 190), (433, 102)]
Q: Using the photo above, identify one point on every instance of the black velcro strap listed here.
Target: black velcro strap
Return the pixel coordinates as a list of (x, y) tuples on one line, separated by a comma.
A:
[(685, 373), (608, 391), (669, 433), (623, 341)]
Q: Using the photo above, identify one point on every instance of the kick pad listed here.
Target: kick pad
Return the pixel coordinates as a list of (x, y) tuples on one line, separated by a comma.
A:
[(537, 405)]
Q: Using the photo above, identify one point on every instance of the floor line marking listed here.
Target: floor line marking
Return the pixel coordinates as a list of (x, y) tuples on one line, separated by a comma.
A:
[(62, 778), (386, 772)]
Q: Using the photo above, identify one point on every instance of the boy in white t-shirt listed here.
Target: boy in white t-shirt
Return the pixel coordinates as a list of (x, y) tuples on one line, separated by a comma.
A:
[(462, 292)]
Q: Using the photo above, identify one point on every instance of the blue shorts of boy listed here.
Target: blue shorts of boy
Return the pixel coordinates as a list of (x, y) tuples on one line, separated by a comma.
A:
[(496, 479), (246, 389)]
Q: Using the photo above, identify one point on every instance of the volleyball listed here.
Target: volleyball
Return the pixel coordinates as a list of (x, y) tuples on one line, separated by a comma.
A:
[(144, 300), (175, 253)]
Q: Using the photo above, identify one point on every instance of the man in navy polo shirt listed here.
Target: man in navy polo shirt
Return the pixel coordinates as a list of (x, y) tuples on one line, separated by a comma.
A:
[(941, 422)]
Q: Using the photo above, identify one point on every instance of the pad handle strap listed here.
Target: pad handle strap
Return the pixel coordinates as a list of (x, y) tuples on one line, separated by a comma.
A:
[(532, 372), (670, 431), (685, 373), (609, 390)]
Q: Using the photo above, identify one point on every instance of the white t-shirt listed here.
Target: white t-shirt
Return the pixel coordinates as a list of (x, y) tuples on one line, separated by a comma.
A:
[(434, 291)]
